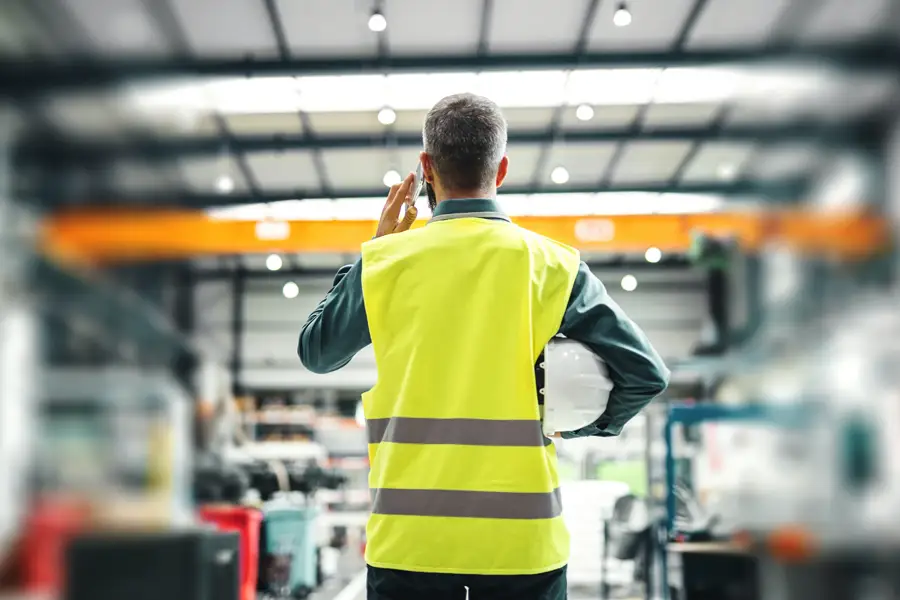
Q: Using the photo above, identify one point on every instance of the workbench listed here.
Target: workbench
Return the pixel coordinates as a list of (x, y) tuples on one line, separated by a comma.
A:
[(714, 570)]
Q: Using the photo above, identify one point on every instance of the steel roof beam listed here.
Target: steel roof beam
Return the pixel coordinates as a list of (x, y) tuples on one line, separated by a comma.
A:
[(39, 76), (187, 146), (785, 190)]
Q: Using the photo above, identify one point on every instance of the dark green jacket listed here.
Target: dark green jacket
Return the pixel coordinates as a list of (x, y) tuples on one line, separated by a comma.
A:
[(337, 329)]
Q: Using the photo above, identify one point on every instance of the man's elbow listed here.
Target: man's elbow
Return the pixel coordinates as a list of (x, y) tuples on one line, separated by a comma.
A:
[(316, 367), (659, 381), (310, 359), (649, 384)]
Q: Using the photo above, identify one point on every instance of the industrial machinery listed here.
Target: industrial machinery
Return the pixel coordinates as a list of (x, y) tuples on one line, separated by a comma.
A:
[(121, 438), (278, 481), (799, 441)]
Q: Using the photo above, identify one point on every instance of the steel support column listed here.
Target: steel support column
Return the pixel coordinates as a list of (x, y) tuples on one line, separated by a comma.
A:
[(183, 313), (239, 291)]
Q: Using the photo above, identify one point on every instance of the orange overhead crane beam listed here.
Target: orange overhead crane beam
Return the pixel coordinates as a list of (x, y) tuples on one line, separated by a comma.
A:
[(116, 236)]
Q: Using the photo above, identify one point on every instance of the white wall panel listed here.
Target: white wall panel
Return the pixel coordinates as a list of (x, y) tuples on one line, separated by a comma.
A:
[(348, 378), (669, 305), (119, 26), (457, 33), (361, 374), (226, 27), (736, 23), (213, 303), (536, 26), (269, 305), (216, 343), (326, 27)]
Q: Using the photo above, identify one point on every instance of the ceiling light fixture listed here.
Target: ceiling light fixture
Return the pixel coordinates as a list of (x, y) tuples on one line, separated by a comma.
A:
[(290, 290), (559, 175), (225, 184), (622, 16), (727, 171), (653, 255), (387, 116), (274, 262), (185, 120), (629, 283), (377, 22), (584, 112), (391, 178)]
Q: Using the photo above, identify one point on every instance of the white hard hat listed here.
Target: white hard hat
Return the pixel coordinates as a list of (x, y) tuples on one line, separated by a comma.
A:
[(576, 386)]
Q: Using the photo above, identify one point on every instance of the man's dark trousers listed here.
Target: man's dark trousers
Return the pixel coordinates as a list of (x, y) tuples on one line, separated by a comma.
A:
[(389, 584)]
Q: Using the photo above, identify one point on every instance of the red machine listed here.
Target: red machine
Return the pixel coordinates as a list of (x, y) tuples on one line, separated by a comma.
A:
[(245, 521)]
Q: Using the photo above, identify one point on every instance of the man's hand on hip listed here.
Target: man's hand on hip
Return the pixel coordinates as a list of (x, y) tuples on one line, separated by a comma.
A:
[(390, 214)]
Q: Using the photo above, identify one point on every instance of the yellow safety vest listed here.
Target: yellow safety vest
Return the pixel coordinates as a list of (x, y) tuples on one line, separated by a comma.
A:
[(462, 478)]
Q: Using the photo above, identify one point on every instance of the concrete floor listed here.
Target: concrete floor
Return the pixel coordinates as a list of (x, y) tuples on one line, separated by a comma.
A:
[(351, 585), (356, 590)]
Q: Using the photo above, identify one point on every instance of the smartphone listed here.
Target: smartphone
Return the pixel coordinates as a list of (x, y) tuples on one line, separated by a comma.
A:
[(409, 208), (417, 185)]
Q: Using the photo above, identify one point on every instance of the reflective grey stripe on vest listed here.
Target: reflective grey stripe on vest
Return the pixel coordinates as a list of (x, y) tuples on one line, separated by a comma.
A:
[(453, 503), (463, 432), (471, 215)]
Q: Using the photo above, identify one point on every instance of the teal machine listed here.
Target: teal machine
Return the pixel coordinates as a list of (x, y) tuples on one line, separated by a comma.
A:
[(289, 549), (290, 536)]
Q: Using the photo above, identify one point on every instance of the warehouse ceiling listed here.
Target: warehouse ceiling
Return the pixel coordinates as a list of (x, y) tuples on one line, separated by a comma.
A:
[(229, 103), (296, 109)]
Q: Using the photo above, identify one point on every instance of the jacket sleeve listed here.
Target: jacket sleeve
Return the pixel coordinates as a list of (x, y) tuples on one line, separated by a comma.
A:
[(637, 371), (338, 328)]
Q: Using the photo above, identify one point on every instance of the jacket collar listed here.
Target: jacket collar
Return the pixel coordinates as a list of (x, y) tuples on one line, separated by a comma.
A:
[(468, 207)]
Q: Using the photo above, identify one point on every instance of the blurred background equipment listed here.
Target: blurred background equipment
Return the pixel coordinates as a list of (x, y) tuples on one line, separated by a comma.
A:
[(180, 179), (200, 565)]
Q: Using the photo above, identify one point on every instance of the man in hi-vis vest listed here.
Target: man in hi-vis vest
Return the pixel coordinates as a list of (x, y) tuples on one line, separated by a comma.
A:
[(464, 485)]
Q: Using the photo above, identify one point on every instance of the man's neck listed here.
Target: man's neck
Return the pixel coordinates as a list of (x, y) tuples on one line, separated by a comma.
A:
[(479, 194)]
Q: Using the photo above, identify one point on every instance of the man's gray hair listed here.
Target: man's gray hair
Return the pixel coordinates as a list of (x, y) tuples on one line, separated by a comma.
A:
[(465, 135)]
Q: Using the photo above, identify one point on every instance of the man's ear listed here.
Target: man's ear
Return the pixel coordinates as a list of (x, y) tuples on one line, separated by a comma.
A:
[(502, 170), (427, 167)]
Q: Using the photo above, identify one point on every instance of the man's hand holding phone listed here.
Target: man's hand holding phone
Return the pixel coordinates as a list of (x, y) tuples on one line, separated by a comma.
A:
[(401, 194)]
